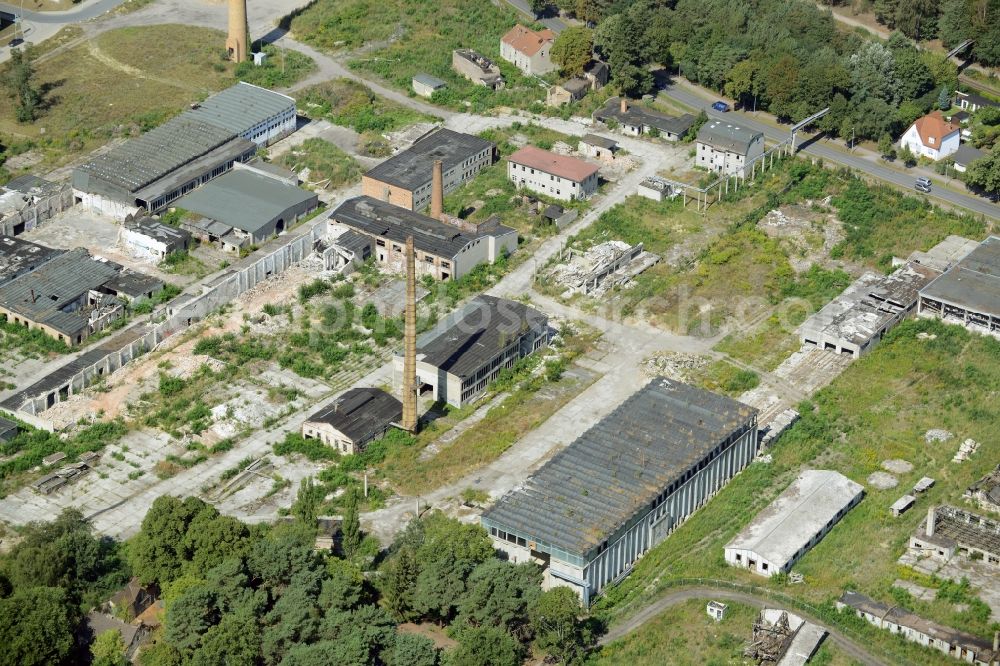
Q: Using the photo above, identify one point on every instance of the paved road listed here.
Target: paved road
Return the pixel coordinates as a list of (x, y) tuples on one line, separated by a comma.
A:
[(849, 647), (690, 96), (82, 12)]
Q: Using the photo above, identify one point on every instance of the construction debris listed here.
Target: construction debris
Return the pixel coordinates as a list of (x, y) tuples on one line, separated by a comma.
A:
[(602, 267), (777, 426), (965, 451), (937, 435), (781, 638), (674, 365)]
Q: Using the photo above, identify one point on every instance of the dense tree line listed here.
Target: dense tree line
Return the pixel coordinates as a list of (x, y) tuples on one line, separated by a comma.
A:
[(952, 21), (783, 56), (262, 595)]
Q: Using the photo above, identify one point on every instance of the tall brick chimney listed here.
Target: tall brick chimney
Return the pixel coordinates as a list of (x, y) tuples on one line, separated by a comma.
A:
[(624, 104), (437, 190), (929, 529), (236, 41), (410, 421)]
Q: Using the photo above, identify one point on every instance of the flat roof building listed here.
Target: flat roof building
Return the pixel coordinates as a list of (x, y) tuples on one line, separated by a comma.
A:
[(355, 418), (444, 251), (251, 202), (855, 321), (18, 257), (147, 238), (426, 85), (405, 179), (551, 174), (459, 358), (793, 523), (727, 148), (620, 488), (968, 293), (912, 627), (949, 531)]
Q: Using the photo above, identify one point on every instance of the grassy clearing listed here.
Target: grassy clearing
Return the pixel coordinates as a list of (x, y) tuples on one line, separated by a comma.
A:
[(406, 37), (351, 104), (329, 166), (764, 346), (878, 409), (686, 635), (724, 377), (123, 83), (657, 225)]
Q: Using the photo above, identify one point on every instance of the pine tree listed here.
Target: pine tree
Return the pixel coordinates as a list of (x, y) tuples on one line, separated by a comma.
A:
[(944, 99), (351, 527)]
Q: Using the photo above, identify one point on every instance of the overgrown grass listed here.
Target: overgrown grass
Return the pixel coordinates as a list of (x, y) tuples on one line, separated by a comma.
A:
[(878, 409), (351, 104), (422, 36), (281, 68), (329, 166)]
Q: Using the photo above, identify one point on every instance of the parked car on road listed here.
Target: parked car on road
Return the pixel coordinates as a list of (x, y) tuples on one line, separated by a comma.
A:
[(922, 185), (721, 106)]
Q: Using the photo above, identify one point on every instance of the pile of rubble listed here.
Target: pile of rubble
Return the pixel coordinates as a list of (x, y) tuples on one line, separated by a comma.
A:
[(674, 365), (937, 435), (966, 450), (770, 640), (602, 267)]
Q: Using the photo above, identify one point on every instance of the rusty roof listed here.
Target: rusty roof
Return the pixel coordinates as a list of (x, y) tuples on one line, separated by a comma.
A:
[(933, 129)]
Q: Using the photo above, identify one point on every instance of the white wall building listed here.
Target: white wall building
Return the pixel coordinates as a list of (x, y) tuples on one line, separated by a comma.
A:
[(556, 176), (931, 136), (793, 523), (528, 50), (727, 148)]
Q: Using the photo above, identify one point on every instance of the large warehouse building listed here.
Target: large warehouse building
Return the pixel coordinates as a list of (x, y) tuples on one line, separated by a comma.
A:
[(590, 512), (443, 250), (969, 292), (405, 178), (153, 170), (466, 351), (793, 523)]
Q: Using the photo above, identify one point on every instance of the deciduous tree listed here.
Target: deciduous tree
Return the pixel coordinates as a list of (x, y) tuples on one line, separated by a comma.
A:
[(573, 50)]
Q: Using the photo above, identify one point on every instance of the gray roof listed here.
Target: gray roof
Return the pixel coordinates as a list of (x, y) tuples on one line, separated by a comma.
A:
[(353, 242), (966, 154), (977, 99), (133, 284), (904, 618), (611, 473), (973, 283), (240, 108), (361, 413), (41, 294), (728, 136), (8, 429), (798, 514), (428, 80), (245, 200), (18, 256), (462, 343), (412, 168), (379, 218), (30, 184), (640, 116), (145, 159), (599, 141), (172, 236)]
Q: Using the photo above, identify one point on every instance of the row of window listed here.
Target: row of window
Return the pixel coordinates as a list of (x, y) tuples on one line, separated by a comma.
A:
[(506, 536)]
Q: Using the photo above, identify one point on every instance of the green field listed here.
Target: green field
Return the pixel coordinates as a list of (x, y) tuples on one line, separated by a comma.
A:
[(878, 409), (406, 37)]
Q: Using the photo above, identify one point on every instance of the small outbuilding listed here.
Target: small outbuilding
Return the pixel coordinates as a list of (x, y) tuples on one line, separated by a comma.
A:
[(902, 505), (716, 610), (793, 523), (923, 485), (599, 147), (147, 238), (349, 423), (426, 85), (966, 155)]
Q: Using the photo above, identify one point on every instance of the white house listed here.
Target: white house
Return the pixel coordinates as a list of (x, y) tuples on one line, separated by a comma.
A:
[(931, 136), (727, 148), (556, 176)]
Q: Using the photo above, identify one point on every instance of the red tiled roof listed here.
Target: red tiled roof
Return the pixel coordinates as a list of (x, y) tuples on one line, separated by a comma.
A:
[(934, 126), (557, 165), (527, 41)]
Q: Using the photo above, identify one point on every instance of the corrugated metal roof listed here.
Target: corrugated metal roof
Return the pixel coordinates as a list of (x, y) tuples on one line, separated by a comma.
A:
[(612, 472), (245, 200), (139, 162), (241, 107)]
